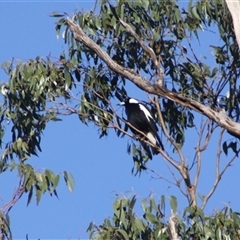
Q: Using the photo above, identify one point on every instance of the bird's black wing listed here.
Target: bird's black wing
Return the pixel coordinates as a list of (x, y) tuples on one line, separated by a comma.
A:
[(137, 118), (140, 117)]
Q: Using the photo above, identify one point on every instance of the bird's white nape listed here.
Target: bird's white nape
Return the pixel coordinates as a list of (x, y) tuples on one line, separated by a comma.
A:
[(142, 107), (132, 100), (146, 112)]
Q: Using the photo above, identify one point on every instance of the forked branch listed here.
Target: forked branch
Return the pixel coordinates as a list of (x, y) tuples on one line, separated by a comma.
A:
[(182, 168), (219, 173), (199, 149), (147, 49)]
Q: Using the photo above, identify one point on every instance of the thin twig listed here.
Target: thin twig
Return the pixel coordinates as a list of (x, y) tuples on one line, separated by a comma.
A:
[(219, 173), (156, 103), (160, 176), (178, 182), (199, 149), (183, 170), (145, 85)]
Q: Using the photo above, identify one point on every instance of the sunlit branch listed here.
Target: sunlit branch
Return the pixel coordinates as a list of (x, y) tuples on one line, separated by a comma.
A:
[(226, 122), (234, 8)]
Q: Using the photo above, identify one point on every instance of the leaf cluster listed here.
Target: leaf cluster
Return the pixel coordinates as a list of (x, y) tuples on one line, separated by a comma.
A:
[(39, 90), (168, 30), (125, 224), (24, 113), (31, 86), (193, 224)]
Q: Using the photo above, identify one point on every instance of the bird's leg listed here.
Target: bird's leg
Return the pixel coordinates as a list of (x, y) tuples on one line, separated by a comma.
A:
[(141, 138), (138, 137)]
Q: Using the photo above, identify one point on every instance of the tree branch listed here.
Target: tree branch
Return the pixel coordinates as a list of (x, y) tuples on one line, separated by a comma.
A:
[(184, 171), (16, 196), (172, 226), (148, 50), (219, 117), (200, 148), (178, 182), (219, 173), (173, 142), (234, 9)]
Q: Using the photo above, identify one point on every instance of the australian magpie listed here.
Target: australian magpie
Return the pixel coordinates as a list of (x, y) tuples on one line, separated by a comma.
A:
[(140, 118)]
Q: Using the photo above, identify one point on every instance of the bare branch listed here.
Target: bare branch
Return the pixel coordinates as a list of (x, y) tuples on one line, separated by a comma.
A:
[(181, 167), (199, 149), (219, 173), (176, 183), (199, 163), (211, 128), (16, 196), (5, 210), (184, 171)]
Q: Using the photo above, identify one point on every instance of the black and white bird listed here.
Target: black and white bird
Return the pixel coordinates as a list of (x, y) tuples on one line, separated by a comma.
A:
[(140, 118)]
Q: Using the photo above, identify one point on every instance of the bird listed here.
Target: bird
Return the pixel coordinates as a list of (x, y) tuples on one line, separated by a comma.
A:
[(140, 118)]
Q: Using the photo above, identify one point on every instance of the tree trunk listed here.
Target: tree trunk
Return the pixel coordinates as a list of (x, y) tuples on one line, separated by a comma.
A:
[(234, 8)]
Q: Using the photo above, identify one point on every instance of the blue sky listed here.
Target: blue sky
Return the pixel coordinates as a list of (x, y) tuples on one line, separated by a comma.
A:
[(102, 167)]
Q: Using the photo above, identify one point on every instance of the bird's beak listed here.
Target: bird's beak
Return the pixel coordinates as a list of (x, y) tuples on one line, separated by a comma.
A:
[(121, 104)]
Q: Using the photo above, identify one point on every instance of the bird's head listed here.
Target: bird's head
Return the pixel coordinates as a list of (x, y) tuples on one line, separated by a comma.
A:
[(128, 101)]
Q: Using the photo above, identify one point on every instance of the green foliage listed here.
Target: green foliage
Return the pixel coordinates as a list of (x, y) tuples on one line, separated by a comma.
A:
[(193, 224), (81, 83), (5, 226), (25, 112), (69, 179), (38, 182), (166, 29), (125, 224), (30, 87), (232, 145)]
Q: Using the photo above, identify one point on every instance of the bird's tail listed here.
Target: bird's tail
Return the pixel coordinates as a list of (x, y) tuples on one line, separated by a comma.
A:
[(146, 148), (156, 141), (150, 149), (159, 142)]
